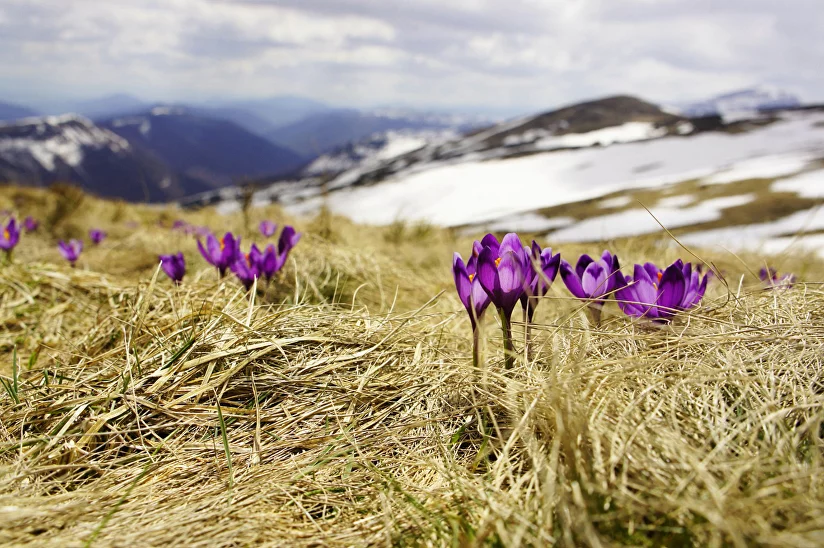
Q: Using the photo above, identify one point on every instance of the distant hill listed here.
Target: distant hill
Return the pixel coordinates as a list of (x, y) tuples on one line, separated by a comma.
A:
[(274, 112), (585, 117), (38, 152), (331, 130), (217, 152), (742, 101), (10, 112)]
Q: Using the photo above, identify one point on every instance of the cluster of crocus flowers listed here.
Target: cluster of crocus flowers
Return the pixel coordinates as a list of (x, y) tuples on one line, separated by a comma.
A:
[(507, 272), (660, 294), (9, 237), (504, 274), (772, 280), (174, 265), (70, 250), (226, 254), (96, 236)]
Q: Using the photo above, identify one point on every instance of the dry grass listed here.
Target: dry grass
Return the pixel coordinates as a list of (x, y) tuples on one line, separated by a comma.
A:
[(341, 407)]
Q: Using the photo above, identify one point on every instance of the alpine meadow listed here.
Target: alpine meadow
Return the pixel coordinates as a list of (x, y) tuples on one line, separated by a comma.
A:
[(337, 403)]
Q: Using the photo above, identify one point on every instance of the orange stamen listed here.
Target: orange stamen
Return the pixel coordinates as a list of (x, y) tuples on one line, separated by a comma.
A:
[(497, 262), (222, 243), (660, 275), (6, 234), (471, 277)]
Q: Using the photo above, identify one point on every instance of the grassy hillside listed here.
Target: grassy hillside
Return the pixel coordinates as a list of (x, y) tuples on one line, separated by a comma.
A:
[(340, 405)]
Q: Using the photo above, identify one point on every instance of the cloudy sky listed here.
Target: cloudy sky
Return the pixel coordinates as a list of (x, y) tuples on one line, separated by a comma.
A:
[(507, 54)]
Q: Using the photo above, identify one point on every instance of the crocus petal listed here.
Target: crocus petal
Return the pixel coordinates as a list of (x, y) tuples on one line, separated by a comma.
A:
[(572, 280), (206, 254), (213, 247), (583, 262), (671, 290), (612, 267), (472, 265), (549, 269), (488, 272), (479, 298), (510, 273), (491, 241), (594, 280), (511, 243), (462, 283), (652, 271), (645, 287)]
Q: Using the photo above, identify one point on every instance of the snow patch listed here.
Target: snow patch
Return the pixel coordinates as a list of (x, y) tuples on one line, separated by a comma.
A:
[(634, 222), (527, 222), (167, 111), (676, 201), (809, 184), (757, 236), (618, 201), (625, 133), (766, 167)]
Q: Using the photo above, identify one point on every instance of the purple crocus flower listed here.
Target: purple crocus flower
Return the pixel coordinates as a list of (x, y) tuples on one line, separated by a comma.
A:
[(643, 295), (271, 262), (71, 250), (696, 284), (268, 228), (502, 271), (288, 239), (772, 280), (542, 271), (174, 266), (96, 235), (30, 224), (10, 236), (470, 292), (222, 254), (246, 268), (591, 279)]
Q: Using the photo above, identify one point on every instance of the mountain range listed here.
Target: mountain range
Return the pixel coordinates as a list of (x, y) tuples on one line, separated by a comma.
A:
[(10, 112), (217, 152), (128, 148), (40, 151)]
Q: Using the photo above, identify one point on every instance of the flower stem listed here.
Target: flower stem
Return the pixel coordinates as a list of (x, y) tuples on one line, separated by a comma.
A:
[(595, 313), (509, 349), (476, 347)]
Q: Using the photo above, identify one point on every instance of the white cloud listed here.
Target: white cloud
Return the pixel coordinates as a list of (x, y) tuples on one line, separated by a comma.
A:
[(522, 54)]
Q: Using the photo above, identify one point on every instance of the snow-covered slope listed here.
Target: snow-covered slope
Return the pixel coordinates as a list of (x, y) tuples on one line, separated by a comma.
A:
[(743, 101), (54, 143), (381, 147), (481, 188), (39, 151)]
